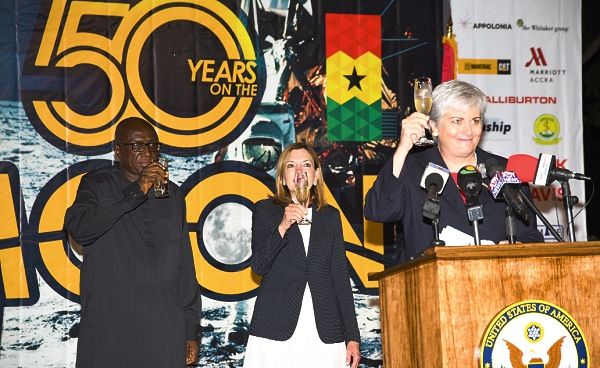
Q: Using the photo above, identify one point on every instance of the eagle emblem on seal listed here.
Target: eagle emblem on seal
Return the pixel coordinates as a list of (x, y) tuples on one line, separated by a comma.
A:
[(554, 356)]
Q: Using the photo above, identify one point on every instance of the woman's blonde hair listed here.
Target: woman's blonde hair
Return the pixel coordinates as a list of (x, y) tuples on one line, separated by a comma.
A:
[(317, 191)]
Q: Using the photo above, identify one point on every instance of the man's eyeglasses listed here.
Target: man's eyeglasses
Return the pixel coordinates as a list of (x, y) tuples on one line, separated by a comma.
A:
[(139, 146)]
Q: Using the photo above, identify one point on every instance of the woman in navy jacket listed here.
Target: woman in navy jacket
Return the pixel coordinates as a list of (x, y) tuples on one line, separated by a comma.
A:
[(456, 122), (304, 313)]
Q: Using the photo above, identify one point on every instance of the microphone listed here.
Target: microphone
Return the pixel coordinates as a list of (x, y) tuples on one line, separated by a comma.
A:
[(543, 171), (470, 183), (506, 184), (540, 171), (431, 182)]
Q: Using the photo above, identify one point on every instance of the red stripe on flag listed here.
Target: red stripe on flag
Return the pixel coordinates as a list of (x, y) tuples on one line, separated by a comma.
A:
[(354, 34), (449, 59)]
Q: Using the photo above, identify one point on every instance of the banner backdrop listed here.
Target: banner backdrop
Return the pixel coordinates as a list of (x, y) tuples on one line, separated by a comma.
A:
[(529, 65), (227, 84)]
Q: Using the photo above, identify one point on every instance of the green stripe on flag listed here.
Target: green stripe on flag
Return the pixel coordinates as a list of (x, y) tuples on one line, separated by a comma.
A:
[(353, 121)]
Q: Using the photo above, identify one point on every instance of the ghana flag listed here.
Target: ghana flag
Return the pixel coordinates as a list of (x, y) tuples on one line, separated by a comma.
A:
[(353, 52)]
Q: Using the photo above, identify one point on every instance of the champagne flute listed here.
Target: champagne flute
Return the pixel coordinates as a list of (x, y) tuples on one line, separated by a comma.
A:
[(302, 192), (423, 101), (161, 190)]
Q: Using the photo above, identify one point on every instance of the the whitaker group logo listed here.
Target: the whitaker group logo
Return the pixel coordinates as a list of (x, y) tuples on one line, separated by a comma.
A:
[(546, 129), (187, 66), (533, 334)]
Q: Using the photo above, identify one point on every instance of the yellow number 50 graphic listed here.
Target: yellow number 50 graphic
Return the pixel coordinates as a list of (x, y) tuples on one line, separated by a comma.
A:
[(187, 66)]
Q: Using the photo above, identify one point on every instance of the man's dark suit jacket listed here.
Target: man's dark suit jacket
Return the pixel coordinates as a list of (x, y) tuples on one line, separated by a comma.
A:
[(394, 199), (285, 269)]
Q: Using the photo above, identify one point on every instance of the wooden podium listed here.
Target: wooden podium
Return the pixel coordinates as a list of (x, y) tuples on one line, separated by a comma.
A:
[(435, 309)]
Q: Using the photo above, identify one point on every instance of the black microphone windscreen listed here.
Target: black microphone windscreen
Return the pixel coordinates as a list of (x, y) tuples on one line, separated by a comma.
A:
[(434, 179), (492, 166), (469, 180)]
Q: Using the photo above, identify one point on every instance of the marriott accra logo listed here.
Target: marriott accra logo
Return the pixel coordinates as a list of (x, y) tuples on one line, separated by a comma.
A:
[(533, 334), (539, 69)]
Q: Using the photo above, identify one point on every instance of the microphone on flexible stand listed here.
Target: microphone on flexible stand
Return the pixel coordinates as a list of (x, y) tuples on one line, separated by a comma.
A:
[(511, 225), (502, 181), (470, 183), (506, 185), (543, 171), (503, 177), (433, 180), (509, 214)]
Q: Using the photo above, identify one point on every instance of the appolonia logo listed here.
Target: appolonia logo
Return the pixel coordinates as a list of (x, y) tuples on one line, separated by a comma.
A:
[(187, 66), (533, 334)]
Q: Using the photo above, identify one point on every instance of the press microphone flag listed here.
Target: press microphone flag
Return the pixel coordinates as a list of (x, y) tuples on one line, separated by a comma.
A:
[(540, 171), (429, 171), (506, 184), (500, 180)]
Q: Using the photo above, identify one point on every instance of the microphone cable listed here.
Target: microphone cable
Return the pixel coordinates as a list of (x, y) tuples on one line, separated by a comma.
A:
[(586, 202)]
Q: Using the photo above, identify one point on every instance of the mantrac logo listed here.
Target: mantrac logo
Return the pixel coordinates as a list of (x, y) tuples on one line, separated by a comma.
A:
[(533, 334), (539, 71), (484, 66), (187, 66)]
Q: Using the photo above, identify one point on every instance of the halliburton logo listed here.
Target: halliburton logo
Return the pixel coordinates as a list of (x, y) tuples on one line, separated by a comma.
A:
[(537, 57)]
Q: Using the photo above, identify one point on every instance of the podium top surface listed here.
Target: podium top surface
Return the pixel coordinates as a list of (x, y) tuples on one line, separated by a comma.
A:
[(473, 252)]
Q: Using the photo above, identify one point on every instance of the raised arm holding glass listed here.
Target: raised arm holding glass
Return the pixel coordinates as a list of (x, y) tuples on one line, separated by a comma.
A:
[(456, 122)]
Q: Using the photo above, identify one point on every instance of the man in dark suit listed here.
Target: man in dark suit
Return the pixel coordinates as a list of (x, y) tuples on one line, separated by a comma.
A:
[(140, 301)]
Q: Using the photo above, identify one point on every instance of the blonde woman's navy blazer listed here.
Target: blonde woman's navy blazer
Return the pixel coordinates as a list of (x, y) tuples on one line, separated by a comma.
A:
[(286, 269)]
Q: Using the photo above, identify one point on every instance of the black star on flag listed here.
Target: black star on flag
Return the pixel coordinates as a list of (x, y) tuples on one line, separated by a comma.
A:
[(354, 79)]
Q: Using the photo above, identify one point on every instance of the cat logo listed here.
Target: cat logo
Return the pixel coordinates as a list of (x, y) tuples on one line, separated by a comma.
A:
[(533, 334)]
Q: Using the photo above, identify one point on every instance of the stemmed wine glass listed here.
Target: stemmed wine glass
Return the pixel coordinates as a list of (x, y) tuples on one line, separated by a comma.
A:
[(302, 192), (422, 96)]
